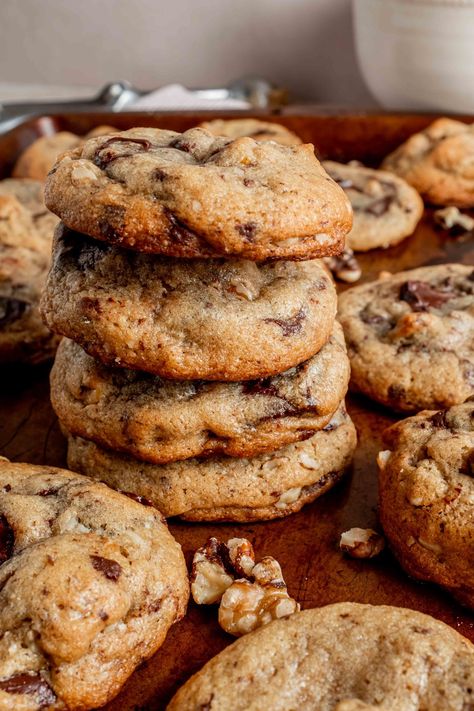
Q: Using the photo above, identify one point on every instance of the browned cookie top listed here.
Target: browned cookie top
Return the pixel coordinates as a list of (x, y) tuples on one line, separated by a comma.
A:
[(209, 319), (164, 420), (438, 162), (198, 195), (427, 496), (343, 657), (254, 128), (410, 337), (90, 582)]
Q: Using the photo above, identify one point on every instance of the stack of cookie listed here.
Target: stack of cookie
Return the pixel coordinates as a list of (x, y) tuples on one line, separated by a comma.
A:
[(206, 371)]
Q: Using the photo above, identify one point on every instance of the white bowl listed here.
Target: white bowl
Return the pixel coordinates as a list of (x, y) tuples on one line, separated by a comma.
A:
[(417, 54)]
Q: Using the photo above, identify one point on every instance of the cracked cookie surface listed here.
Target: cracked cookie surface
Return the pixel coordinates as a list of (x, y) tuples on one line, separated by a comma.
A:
[(90, 582), (268, 486), (199, 195), (386, 208), (25, 245), (253, 128), (410, 337), (165, 420), (438, 162), (199, 319), (342, 657), (426, 495)]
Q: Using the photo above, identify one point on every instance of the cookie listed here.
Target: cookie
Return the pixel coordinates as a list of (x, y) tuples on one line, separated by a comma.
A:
[(386, 209), (164, 420), (253, 128), (426, 496), (24, 262), (268, 486), (410, 337), (340, 657), (30, 194), (438, 162), (198, 195), (187, 319), (90, 582), (37, 160)]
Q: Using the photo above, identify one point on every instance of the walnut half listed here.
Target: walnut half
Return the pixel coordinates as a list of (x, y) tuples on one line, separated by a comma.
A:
[(361, 543)]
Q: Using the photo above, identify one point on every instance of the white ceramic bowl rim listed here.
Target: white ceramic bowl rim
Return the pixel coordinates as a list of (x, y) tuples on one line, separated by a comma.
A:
[(446, 3)]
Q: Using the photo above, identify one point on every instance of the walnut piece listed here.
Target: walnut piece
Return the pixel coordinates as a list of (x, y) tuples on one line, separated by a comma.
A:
[(361, 543), (345, 266), (247, 605), (450, 217), (210, 576), (258, 595)]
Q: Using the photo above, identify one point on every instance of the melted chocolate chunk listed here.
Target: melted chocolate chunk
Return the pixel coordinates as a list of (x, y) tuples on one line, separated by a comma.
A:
[(179, 232), (289, 326), (109, 568), (421, 296), (159, 175), (136, 497), (248, 230), (7, 540), (104, 157), (11, 310), (47, 492), (32, 684), (81, 252), (182, 145), (439, 420), (381, 206), (263, 386)]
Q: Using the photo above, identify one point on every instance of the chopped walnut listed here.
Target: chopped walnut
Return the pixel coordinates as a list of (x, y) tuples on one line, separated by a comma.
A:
[(344, 267), (361, 543), (241, 555), (257, 597), (210, 576), (451, 217), (247, 605)]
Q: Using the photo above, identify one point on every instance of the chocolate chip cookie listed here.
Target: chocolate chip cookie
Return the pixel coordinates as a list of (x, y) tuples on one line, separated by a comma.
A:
[(438, 162), (426, 496), (187, 319), (199, 195), (268, 486), (410, 337), (386, 209), (340, 657), (253, 128), (30, 194), (165, 420), (90, 582), (24, 262)]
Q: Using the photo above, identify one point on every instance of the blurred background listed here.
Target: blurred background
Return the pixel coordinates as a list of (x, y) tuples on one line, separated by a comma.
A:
[(305, 45)]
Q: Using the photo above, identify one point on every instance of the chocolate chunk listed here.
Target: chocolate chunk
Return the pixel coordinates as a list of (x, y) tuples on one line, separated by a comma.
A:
[(104, 157), (7, 540), (182, 145), (248, 230), (109, 568), (47, 492), (136, 497), (248, 183), (32, 684), (159, 175), (11, 310), (422, 296), (380, 207), (264, 386), (439, 420), (289, 326), (179, 232)]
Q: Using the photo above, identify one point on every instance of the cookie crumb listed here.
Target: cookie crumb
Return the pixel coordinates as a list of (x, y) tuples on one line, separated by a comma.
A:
[(361, 543)]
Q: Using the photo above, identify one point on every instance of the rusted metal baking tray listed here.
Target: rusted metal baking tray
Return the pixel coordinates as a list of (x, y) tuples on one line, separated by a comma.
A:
[(306, 544)]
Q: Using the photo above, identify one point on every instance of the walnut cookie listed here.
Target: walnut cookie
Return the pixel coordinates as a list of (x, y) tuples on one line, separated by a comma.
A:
[(201, 319), (198, 195), (410, 337), (426, 495), (438, 162), (268, 486), (24, 262), (165, 420), (386, 208), (340, 657), (90, 582), (253, 128)]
